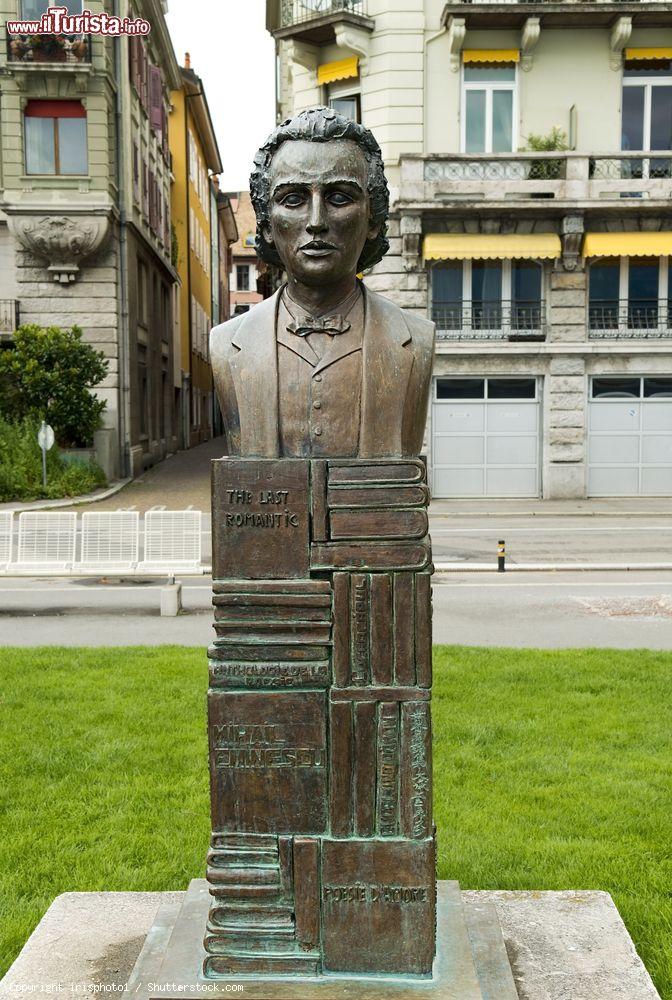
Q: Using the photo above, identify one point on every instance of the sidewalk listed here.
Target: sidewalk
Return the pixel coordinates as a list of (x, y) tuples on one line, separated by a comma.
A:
[(603, 507), (180, 482)]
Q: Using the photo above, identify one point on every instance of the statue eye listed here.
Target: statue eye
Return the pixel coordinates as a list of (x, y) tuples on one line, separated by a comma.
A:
[(339, 198), (292, 200)]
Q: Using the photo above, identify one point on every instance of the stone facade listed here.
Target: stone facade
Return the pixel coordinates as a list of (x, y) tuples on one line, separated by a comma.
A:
[(411, 89), (71, 242)]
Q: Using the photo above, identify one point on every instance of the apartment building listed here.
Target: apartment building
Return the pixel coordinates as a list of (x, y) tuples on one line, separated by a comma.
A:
[(246, 268), (529, 152), (196, 160), (84, 210)]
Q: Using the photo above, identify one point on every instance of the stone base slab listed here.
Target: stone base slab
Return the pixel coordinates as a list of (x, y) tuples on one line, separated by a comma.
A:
[(561, 945)]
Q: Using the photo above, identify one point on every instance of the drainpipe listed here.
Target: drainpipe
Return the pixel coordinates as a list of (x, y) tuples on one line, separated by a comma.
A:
[(122, 295)]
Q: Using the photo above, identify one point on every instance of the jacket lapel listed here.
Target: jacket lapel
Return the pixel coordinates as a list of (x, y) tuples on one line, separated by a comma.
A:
[(297, 344), (254, 369), (387, 364), (341, 345)]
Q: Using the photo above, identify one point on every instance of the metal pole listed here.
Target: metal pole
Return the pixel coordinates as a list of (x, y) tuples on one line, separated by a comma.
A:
[(501, 556), (44, 467)]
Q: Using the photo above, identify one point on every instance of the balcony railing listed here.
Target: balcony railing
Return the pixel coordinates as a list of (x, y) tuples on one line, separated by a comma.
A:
[(49, 48), (631, 167), (9, 317), (638, 319), (518, 320), (299, 11), (562, 176), (527, 2)]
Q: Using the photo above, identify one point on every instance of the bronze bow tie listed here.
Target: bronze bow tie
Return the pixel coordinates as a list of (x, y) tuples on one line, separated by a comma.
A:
[(306, 325)]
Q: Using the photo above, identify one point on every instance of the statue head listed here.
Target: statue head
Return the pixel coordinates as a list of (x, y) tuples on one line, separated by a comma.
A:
[(321, 198)]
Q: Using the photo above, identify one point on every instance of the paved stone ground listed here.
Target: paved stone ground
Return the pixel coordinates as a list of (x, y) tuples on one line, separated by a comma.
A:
[(562, 946), (178, 483)]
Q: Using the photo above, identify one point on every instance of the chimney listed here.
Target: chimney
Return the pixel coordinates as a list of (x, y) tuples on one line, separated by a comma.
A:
[(187, 61)]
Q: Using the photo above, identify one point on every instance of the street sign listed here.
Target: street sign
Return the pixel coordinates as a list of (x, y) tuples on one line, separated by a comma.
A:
[(45, 437)]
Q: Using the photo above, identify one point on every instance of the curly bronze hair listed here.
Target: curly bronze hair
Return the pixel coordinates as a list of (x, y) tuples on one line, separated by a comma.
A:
[(322, 125)]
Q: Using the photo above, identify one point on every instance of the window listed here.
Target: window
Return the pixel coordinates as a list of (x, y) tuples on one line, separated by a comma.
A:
[(629, 296), (55, 137), (243, 277), (143, 396), (647, 116), (32, 10), (136, 172), (143, 288), (488, 298), (628, 387), (488, 111), (486, 388), (239, 309), (348, 106)]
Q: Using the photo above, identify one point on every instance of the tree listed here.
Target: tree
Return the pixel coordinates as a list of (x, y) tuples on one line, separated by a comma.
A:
[(49, 374)]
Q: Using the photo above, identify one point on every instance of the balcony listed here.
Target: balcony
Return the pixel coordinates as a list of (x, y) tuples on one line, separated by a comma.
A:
[(514, 321), (569, 178), (61, 49), (479, 14), (9, 318), (313, 21), (632, 319)]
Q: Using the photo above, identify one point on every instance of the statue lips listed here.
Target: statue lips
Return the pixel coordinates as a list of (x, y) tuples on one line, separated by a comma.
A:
[(318, 248)]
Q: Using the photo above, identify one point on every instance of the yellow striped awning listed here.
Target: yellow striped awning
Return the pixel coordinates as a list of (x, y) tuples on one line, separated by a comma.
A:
[(465, 246), (490, 55), (648, 53), (342, 69), (627, 245)]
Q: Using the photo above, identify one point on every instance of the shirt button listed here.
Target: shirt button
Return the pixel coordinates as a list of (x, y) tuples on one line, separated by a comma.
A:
[(317, 378), (317, 404), (318, 431)]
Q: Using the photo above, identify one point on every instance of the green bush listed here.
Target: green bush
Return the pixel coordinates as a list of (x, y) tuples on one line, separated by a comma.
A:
[(48, 374), (21, 467), (546, 169)]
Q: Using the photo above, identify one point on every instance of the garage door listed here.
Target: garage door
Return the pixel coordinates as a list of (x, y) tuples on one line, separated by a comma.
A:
[(630, 437), (485, 437)]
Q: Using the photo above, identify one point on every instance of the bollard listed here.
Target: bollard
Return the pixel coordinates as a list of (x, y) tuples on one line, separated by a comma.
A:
[(171, 600), (501, 556)]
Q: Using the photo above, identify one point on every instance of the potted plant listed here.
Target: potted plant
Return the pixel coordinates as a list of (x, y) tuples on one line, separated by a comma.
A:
[(546, 170), (48, 48), (19, 47)]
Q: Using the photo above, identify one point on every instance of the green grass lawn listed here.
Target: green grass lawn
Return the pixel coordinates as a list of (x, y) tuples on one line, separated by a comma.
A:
[(552, 771)]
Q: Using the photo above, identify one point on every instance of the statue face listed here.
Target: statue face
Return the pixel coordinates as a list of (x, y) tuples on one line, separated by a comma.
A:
[(319, 209)]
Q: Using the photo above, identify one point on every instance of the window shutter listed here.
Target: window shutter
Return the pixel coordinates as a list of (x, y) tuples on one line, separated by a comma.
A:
[(133, 59), (164, 130), (155, 98), (143, 62), (136, 172)]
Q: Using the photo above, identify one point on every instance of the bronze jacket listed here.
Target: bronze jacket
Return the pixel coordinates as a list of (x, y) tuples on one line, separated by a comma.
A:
[(398, 351)]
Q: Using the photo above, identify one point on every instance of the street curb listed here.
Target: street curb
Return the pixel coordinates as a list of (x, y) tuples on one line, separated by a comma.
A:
[(547, 567), (109, 491)]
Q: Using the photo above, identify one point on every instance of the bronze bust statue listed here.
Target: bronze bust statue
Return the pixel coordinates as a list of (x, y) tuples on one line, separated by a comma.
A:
[(325, 367), (321, 872)]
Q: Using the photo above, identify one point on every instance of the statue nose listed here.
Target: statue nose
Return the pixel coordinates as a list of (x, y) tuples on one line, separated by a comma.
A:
[(317, 222)]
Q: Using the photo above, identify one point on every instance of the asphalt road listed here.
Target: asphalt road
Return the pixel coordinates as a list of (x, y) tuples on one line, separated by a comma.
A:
[(564, 539), (551, 610)]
